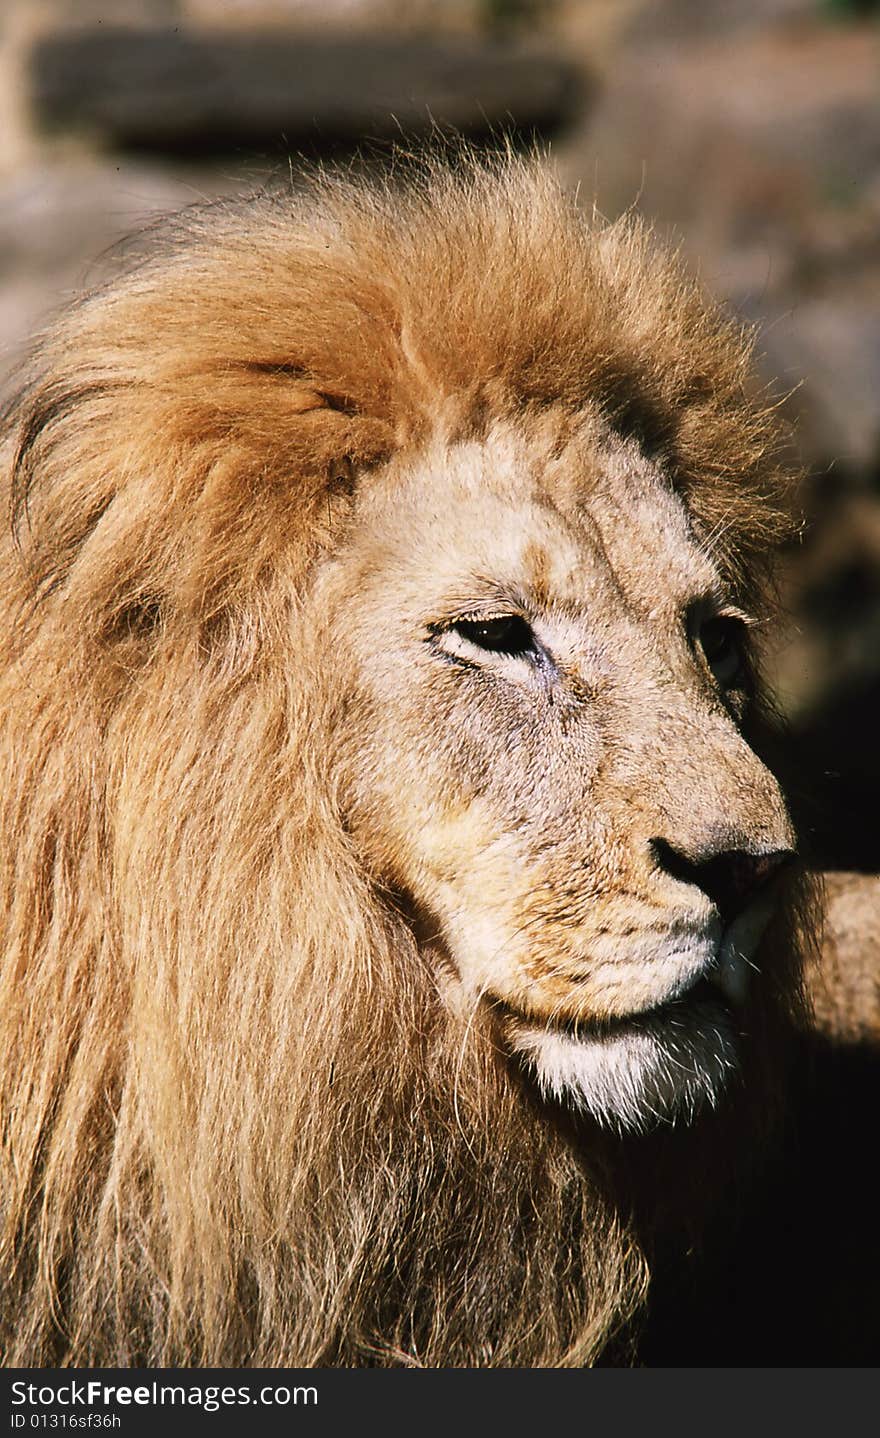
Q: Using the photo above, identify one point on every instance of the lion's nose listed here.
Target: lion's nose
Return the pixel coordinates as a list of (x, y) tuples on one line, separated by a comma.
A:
[(730, 878)]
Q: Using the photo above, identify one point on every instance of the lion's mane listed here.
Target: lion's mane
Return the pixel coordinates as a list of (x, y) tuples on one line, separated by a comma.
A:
[(239, 1124)]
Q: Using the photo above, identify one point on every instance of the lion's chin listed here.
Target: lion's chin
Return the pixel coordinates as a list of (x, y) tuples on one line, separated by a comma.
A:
[(633, 1074), (659, 1066)]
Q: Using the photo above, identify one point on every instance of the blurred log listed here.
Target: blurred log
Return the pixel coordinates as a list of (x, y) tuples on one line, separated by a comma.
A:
[(174, 92)]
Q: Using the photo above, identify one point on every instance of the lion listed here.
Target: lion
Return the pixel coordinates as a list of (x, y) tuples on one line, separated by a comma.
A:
[(401, 925)]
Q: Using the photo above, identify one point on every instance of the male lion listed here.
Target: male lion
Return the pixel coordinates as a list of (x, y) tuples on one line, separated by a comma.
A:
[(387, 850)]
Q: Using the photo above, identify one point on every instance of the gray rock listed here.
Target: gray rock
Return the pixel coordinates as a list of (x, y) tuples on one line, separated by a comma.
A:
[(830, 348), (760, 151)]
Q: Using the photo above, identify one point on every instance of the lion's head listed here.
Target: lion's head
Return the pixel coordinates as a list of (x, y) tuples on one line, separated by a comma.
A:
[(383, 817), (544, 752)]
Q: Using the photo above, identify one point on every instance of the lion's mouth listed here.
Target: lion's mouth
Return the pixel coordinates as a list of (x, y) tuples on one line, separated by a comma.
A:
[(723, 983), (658, 1065), (706, 989)]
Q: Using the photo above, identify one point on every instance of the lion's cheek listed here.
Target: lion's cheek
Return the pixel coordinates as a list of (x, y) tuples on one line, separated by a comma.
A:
[(470, 877)]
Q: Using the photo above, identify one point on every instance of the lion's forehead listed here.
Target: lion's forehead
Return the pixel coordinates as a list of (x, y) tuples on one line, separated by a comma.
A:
[(647, 538), (593, 524)]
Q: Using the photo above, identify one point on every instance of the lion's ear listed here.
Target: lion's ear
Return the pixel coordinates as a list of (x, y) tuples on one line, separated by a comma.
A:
[(342, 476), (184, 480), (305, 391), (358, 440), (279, 444)]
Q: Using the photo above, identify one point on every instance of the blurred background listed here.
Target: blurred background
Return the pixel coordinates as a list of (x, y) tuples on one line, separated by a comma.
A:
[(749, 132)]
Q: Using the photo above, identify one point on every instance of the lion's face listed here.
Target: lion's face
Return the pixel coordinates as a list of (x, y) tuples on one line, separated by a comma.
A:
[(543, 736)]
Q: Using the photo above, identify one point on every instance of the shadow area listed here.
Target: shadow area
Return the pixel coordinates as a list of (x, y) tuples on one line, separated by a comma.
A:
[(793, 1281), (835, 777)]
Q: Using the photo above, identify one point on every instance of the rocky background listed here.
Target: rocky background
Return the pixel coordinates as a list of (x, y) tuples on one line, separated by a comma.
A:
[(749, 132)]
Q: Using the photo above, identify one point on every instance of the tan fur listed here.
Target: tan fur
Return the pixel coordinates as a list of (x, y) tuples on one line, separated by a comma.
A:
[(845, 988), (280, 877)]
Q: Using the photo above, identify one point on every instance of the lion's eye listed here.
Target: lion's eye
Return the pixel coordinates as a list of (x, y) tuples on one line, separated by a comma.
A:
[(509, 634), (721, 640)]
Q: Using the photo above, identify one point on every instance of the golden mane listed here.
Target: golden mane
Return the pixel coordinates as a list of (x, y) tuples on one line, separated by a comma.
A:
[(239, 1125)]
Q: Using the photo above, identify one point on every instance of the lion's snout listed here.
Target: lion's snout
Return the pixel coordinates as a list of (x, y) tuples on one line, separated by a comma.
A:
[(731, 878)]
